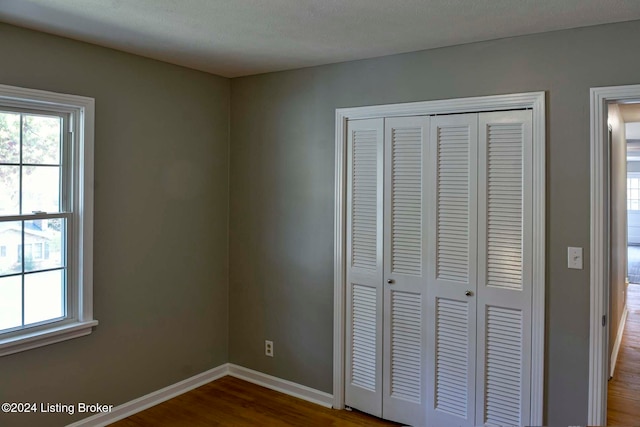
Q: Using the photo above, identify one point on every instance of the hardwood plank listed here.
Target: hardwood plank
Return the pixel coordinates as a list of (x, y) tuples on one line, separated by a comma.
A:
[(231, 401), (623, 402)]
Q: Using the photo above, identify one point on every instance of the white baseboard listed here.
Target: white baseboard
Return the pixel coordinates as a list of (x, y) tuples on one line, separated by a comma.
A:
[(140, 404), (278, 384), (616, 345)]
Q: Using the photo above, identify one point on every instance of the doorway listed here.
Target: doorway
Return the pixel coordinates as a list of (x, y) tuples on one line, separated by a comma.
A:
[(623, 402), (613, 203)]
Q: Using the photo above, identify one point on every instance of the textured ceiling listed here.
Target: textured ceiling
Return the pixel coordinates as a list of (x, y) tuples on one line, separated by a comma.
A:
[(242, 37)]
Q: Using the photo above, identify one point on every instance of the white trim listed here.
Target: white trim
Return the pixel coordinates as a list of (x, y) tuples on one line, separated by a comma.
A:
[(278, 384), (599, 298), (147, 401), (52, 101), (81, 111), (83, 233), (531, 100), (339, 265), (45, 337), (616, 345), (539, 128), (445, 106), (154, 398)]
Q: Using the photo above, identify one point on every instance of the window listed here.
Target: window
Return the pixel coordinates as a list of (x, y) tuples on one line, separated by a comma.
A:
[(633, 192), (46, 218)]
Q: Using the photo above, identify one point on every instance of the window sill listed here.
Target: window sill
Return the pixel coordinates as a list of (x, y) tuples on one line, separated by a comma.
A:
[(45, 337)]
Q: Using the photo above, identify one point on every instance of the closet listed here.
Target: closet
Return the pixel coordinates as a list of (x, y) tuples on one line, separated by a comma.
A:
[(439, 268)]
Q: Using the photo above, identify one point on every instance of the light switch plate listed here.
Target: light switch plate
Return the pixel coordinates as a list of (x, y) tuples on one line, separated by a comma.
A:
[(574, 256)]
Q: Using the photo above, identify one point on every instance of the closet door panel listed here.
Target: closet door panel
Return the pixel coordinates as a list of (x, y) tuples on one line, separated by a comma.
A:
[(405, 267), (451, 308), (504, 275), (363, 385)]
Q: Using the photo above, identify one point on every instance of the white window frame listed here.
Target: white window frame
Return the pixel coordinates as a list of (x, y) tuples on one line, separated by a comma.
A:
[(79, 321), (630, 176)]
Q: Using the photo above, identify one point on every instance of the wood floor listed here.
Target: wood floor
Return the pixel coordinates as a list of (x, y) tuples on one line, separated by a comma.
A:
[(233, 402), (624, 388)]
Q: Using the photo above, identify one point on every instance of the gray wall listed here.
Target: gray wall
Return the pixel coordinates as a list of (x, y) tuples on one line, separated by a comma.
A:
[(618, 221), (161, 213), (281, 206)]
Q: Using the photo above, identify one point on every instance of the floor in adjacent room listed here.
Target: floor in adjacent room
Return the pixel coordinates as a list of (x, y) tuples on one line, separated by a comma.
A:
[(233, 402), (624, 388), (633, 263)]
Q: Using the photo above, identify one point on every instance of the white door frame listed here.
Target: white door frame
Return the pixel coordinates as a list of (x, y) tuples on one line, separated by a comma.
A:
[(531, 100), (599, 272)]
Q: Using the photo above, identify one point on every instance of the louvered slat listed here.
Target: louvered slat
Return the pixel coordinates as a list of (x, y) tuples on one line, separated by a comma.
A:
[(452, 257), (364, 207), (406, 341), (503, 389), (363, 327), (504, 205), (406, 210), (452, 337)]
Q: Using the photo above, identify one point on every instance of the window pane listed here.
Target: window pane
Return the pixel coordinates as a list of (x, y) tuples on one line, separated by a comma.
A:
[(41, 140), (9, 190), (10, 247), (10, 302), (43, 296), (9, 137), (40, 189), (43, 244)]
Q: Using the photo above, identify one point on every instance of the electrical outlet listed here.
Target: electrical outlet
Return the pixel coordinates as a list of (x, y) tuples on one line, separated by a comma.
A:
[(268, 348)]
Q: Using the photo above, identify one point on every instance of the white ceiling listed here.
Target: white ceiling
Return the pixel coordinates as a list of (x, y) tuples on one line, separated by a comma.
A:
[(242, 37)]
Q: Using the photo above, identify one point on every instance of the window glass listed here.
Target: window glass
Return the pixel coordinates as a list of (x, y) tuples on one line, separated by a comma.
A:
[(32, 270)]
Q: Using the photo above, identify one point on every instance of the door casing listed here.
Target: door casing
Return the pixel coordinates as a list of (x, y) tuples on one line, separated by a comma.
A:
[(600, 246)]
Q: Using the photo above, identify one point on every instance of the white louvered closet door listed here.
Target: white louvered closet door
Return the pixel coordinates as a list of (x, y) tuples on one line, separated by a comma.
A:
[(451, 310), (405, 256), (504, 268), (365, 150)]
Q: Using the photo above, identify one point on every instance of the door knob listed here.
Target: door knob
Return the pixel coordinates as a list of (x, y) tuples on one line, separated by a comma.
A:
[(390, 281), (468, 293)]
